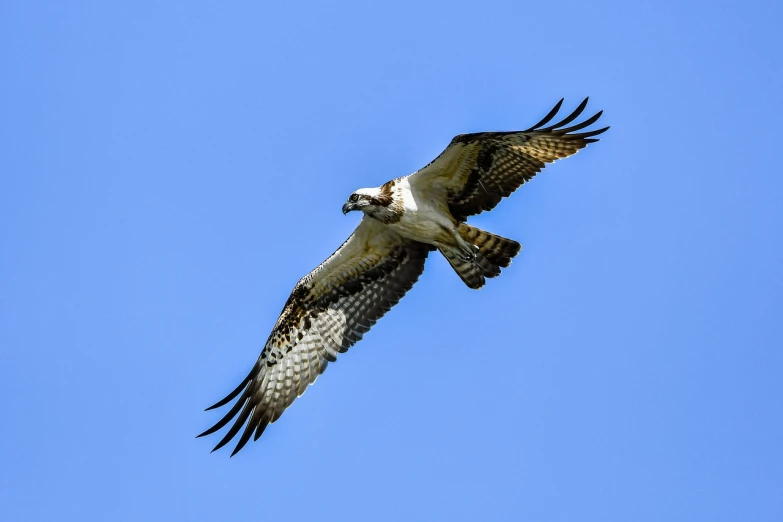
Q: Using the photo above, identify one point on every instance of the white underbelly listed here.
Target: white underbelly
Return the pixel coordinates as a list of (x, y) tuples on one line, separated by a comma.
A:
[(425, 217), (425, 224)]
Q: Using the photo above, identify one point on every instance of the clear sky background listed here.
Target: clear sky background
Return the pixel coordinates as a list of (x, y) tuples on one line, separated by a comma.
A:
[(168, 171)]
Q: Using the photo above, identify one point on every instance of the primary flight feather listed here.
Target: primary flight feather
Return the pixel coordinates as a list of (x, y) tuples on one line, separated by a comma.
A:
[(404, 219)]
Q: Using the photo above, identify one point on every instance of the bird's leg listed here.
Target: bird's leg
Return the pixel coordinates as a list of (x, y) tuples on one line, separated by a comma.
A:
[(470, 255), (451, 240), (468, 250)]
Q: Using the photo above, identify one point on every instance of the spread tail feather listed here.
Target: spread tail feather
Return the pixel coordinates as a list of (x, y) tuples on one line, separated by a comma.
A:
[(497, 249), (490, 253), (471, 268)]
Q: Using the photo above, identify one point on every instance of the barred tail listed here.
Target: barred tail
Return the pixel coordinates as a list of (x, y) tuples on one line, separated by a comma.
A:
[(490, 253), (470, 270), (496, 249)]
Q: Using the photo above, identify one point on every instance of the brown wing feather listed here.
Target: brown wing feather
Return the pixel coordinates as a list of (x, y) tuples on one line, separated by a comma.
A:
[(328, 311), (477, 170)]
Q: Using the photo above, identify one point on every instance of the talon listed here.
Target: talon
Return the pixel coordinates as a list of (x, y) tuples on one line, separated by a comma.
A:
[(469, 257)]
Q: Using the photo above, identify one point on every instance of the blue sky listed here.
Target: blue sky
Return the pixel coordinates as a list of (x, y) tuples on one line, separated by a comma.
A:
[(168, 172)]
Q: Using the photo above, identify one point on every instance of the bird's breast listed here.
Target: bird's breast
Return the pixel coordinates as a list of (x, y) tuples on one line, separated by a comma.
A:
[(423, 222)]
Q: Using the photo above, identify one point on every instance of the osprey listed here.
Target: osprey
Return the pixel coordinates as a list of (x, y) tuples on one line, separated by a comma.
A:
[(334, 305)]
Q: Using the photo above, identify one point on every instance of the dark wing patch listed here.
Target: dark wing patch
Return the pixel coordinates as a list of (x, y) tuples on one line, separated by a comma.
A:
[(329, 310), (477, 170)]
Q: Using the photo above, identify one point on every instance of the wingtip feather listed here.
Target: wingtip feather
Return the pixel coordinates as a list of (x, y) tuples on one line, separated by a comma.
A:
[(551, 114), (571, 117), (238, 423), (589, 121), (231, 396), (590, 134)]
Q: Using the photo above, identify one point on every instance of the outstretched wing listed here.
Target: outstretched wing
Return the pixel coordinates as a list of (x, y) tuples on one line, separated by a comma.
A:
[(328, 311), (477, 170)]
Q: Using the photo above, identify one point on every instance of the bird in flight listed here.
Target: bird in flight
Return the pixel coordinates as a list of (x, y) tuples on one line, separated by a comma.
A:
[(403, 221)]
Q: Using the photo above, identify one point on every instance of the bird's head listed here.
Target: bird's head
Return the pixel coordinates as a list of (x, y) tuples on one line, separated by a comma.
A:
[(363, 199)]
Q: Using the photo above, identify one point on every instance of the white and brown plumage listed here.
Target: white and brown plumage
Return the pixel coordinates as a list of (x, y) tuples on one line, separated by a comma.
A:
[(335, 304)]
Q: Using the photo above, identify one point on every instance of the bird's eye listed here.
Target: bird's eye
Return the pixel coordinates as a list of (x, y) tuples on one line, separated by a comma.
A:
[(354, 198)]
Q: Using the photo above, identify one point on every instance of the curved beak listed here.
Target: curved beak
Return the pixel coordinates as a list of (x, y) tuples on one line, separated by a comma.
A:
[(348, 207)]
